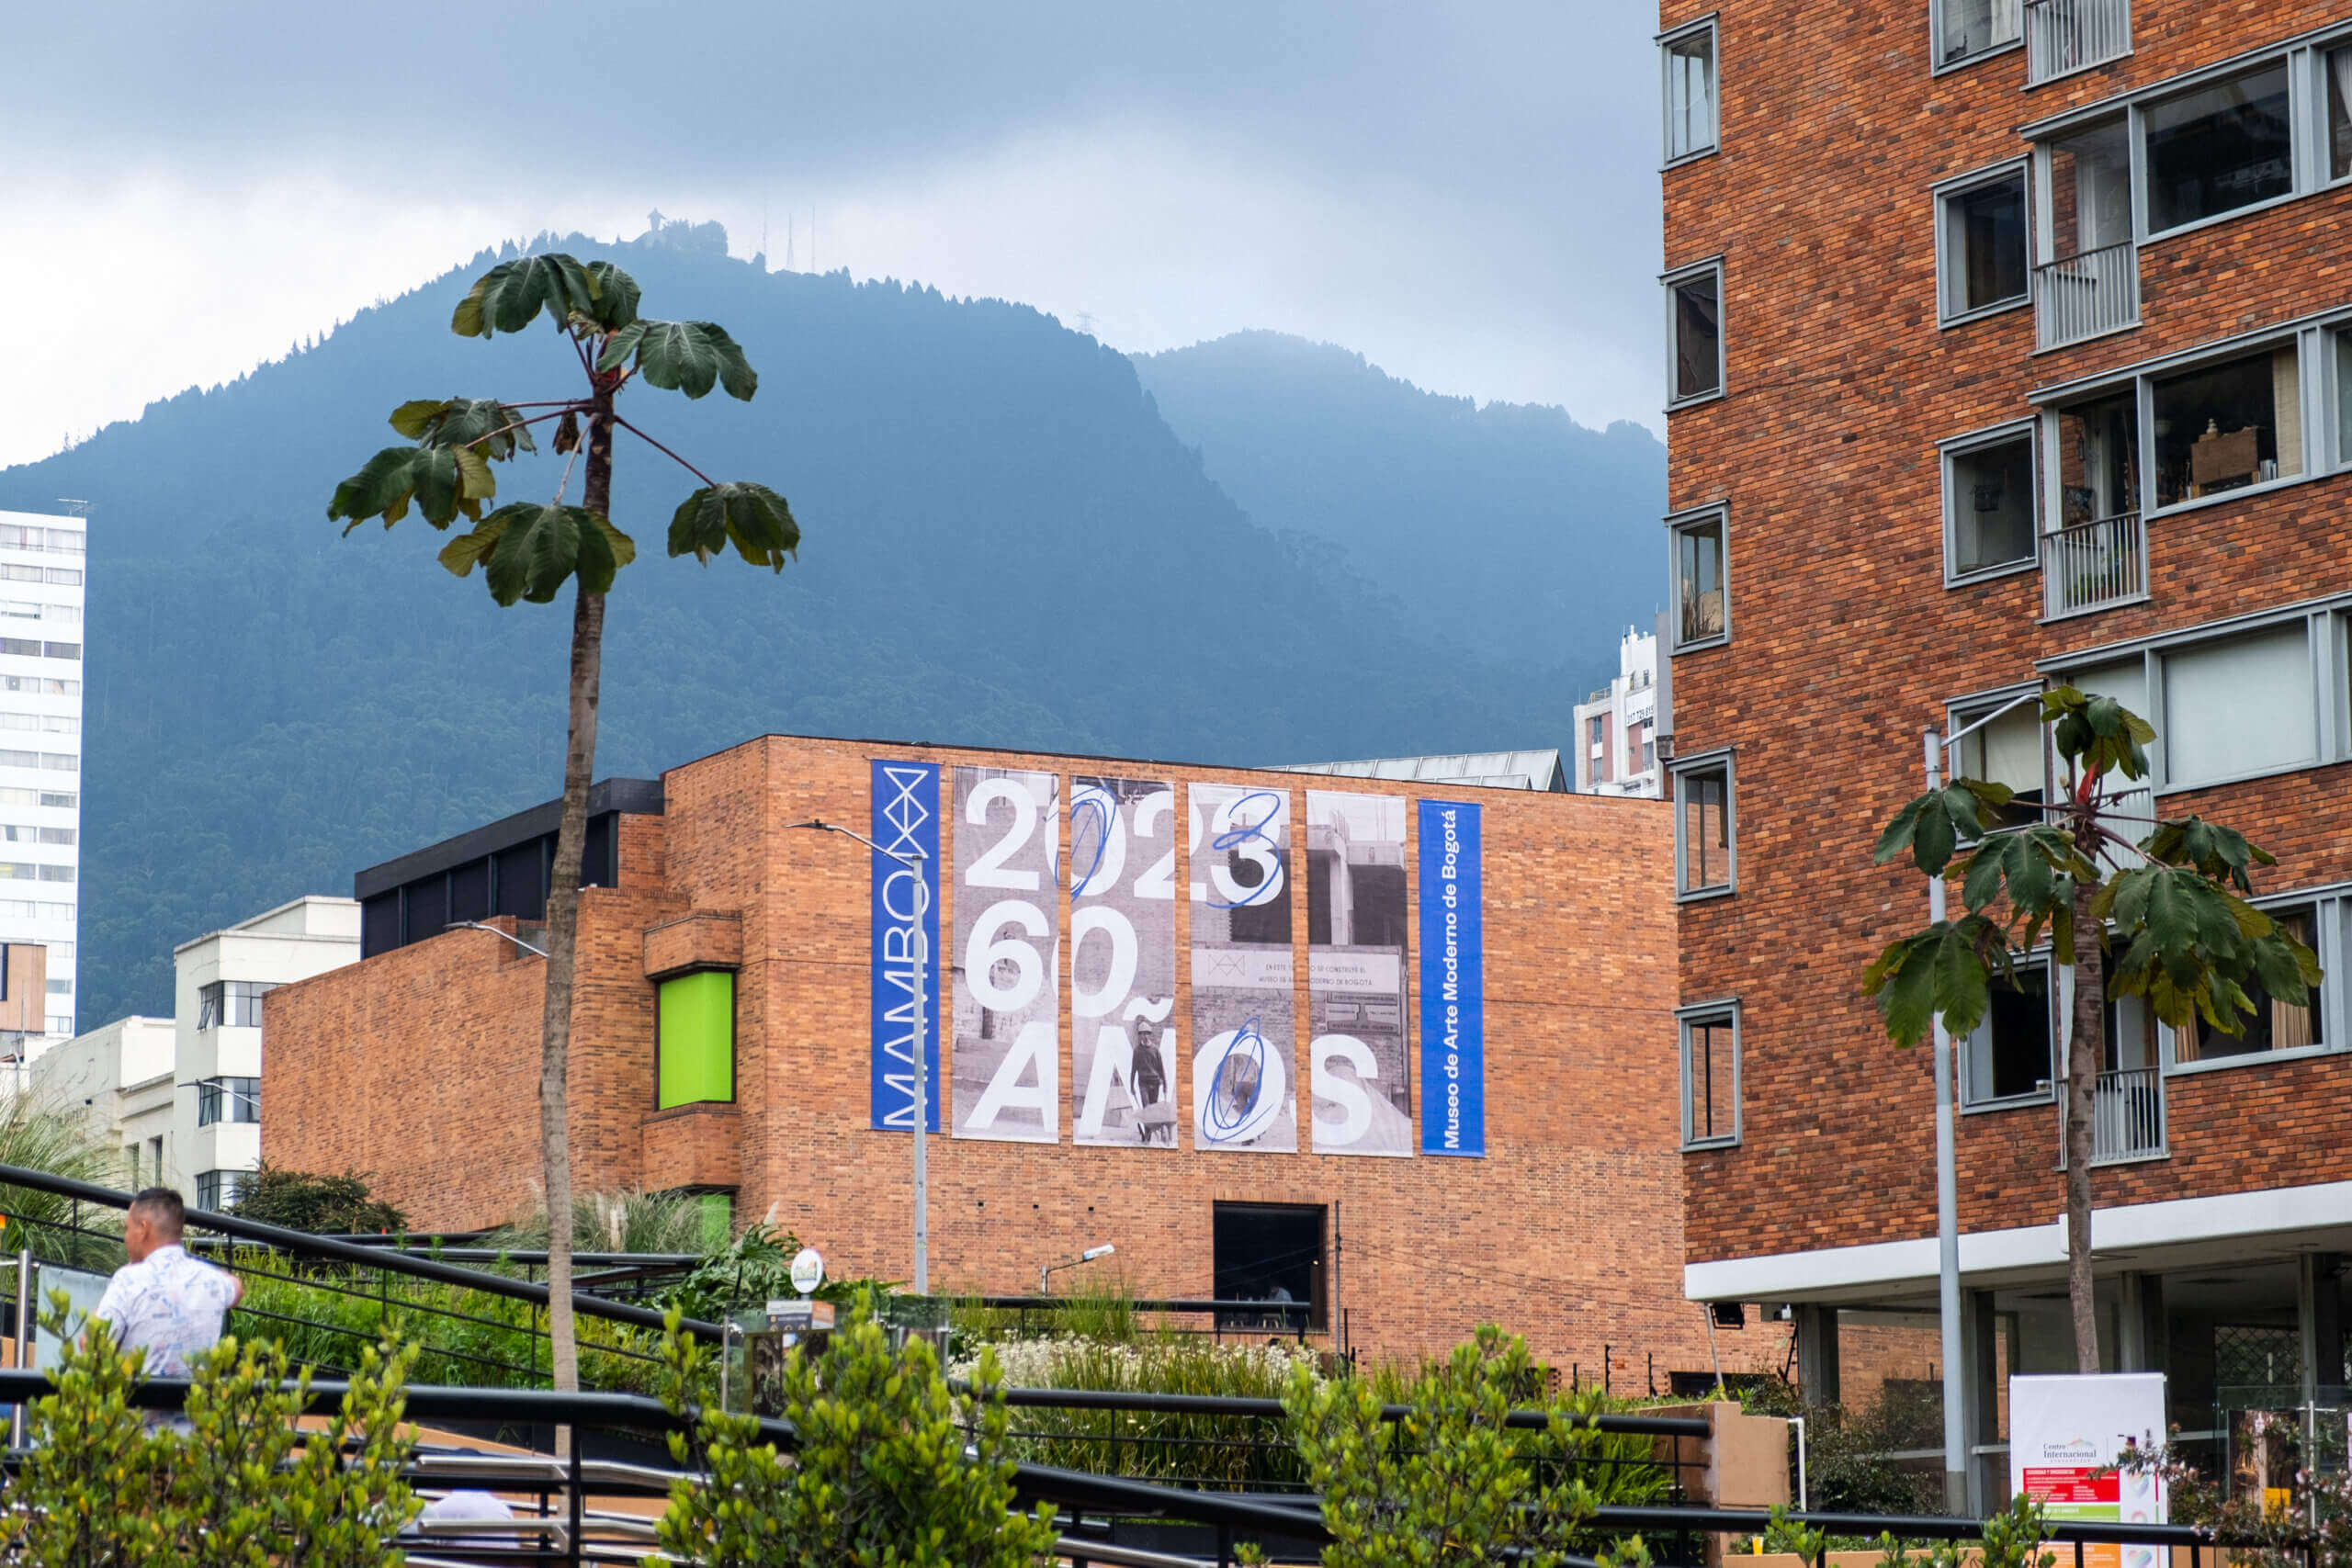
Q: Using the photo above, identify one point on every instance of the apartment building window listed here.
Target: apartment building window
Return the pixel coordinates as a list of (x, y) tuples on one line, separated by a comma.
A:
[(2226, 426), (1989, 511), (2215, 148), (218, 1190), (1687, 57), (1596, 747), (1710, 1075), (1702, 585), (1967, 30), (1704, 828), (2338, 70), (1694, 298), (694, 1048), (1981, 239), (2098, 459), (228, 1100), (2273, 1025), (2004, 745), (2237, 706), (2009, 1056), (233, 1004)]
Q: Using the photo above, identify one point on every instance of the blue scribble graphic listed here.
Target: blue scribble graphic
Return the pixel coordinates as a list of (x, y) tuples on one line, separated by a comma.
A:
[(1091, 810), (1246, 832), (1231, 1101)]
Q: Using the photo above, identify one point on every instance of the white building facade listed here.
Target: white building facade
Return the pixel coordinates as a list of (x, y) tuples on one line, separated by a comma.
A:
[(119, 1080), (222, 980), (1617, 728), (41, 564)]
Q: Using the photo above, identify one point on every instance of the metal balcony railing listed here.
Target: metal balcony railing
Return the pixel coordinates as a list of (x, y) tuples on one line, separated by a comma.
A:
[(2086, 294), (2090, 566), (2127, 1115), (2068, 35)]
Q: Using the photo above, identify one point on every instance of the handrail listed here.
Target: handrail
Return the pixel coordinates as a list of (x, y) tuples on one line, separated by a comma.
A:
[(1234, 1404), (286, 1240), (1169, 1303)]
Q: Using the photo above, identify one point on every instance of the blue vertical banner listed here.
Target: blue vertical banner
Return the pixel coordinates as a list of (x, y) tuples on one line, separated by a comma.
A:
[(905, 951), (1453, 981)]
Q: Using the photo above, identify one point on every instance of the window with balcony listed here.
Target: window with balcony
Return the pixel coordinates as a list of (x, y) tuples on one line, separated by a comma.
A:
[(2009, 1055), (1702, 585), (218, 1190), (233, 1004), (2239, 706), (1981, 244), (1688, 55), (2222, 427), (2273, 1025), (1989, 509), (1710, 1075), (2215, 148), (228, 1100), (1967, 28), (2088, 283), (2096, 556), (1694, 297), (1704, 829), (2064, 36)]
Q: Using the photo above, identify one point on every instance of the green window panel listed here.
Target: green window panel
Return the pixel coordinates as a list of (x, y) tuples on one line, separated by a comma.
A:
[(697, 1039)]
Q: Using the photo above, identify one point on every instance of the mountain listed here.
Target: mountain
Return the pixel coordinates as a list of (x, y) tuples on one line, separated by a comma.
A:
[(1003, 543), (1510, 527)]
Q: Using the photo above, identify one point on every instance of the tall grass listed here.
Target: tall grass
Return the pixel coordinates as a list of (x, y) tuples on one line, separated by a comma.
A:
[(625, 1221)]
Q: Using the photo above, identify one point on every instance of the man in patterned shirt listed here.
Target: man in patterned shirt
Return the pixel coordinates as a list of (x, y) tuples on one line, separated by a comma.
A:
[(162, 1301)]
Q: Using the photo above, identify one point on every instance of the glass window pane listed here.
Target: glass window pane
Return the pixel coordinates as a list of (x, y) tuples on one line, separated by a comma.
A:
[(2226, 426), (2006, 751), (1705, 822), (2098, 460), (2219, 148), (2273, 1025), (1985, 243), (1972, 26), (2239, 706), (1991, 497), (1708, 1079), (1698, 337), (2090, 189), (1698, 579), (2340, 114), (1691, 95), (2009, 1053)]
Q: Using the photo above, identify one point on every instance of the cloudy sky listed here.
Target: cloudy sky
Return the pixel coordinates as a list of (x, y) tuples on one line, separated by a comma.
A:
[(1465, 193)]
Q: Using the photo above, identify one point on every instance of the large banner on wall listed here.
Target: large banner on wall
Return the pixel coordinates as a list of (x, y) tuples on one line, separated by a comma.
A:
[(2065, 1435), (904, 949), (1245, 1076), (1007, 1063), (1122, 962), (1358, 1074), (1453, 980)]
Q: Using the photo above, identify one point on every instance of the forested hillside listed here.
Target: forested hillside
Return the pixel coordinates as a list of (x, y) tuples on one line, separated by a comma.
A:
[(1003, 543), (1510, 526)]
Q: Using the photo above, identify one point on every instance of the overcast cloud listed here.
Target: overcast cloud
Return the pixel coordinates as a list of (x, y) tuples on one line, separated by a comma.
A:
[(1465, 193)]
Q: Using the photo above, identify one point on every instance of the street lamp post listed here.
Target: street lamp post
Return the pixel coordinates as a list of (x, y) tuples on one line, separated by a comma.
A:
[(1046, 1274), (912, 860)]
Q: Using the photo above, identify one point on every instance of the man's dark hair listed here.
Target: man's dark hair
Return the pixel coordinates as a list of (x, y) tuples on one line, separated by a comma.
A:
[(161, 1207)]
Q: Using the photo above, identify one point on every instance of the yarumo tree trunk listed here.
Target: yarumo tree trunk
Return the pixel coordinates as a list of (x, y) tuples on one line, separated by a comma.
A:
[(563, 920), (2081, 1082)]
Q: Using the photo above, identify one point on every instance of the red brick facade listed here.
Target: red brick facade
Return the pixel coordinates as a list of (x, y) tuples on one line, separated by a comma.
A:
[(1846, 641), (419, 1067)]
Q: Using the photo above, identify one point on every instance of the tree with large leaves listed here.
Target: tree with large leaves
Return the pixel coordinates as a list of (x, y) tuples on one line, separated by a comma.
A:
[(2163, 915), (528, 550)]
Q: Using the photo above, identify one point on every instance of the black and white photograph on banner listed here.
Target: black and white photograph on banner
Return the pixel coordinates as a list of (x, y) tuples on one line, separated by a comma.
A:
[(1359, 1073), (1006, 952), (1245, 1069), (1122, 962)]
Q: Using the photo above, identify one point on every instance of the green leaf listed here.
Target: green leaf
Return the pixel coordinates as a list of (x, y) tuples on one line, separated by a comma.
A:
[(756, 520), (507, 297), (460, 553), (688, 356), (616, 296), (2097, 735), (495, 427), (391, 479), (1946, 968), (539, 549)]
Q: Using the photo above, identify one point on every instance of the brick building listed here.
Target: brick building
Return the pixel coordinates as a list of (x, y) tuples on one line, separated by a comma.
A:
[(725, 1037), (2006, 344)]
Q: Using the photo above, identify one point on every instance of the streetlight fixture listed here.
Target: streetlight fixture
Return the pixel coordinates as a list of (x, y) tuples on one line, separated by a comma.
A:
[(510, 936), (1088, 1255), (912, 860), (1937, 743)]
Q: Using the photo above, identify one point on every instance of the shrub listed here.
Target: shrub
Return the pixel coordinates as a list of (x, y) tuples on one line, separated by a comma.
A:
[(242, 1485), (318, 1205), (887, 1472)]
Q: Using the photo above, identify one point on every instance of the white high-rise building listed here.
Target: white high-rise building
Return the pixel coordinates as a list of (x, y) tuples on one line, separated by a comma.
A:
[(41, 561), (1617, 729)]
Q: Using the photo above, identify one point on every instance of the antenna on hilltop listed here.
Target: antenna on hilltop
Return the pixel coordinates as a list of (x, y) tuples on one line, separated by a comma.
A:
[(74, 508)]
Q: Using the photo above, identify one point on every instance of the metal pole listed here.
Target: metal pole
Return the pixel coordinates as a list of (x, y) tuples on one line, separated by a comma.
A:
[(1946, 1209), (23, 1339), (922, 1087)]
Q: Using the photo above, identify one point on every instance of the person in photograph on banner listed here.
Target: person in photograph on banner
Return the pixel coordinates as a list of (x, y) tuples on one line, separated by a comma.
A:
[(1360, 1078), (1122, 961), (1006, 1068), (1245, 1074)]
